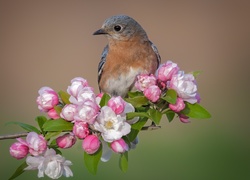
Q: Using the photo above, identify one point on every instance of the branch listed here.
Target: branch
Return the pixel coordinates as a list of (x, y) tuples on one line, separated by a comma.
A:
[(13, 136)]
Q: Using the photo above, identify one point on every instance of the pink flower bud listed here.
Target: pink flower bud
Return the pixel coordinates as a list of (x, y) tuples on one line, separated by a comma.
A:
[(117, 104), (119, 146), (53, 114), (47, 99), (91, 144), (144, 81), (87, 112), (66, 140), (85, 94), (178, 106), (152, 93), (81, 129), (37, 143), (68, 112), (166, 71), (183, 118), (76, 85), (19, 150)]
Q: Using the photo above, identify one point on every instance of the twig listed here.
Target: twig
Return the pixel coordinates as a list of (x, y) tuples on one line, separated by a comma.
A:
[(13, 136)]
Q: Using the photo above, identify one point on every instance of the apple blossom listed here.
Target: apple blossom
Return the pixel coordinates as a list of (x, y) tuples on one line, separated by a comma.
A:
[(51, 164), (68, 112), (76, 85), (85, 94), (183, 118), (91, 144), (166, 71), (111, 126), (87, 112), (185, 86), (178, 106), (53, 114), (81, 129), (119, 146), (144, 81), (117, 104), (36, 143), (153, 93), (66, 141), (19, 149), (47, 99)]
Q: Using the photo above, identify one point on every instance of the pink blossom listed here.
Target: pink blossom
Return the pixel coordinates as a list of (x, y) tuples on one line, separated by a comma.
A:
[(117, 104), (185, 86), (152, 93), (91, 144), (85, 94), (47, 99), (66, 140), (19, 149), (53, 114), (166, 71), (87, 112), (178, 106), (119, 146), (183, 118), (76, 85), (68, 112), (37, 143), (144, 81), (81, 129)]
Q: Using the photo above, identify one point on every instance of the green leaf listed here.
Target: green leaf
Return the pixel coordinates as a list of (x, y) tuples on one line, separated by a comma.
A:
[(136, 127), (57, 125), (132, 115), (196, 111), (171, 96), (91, 160), (137, 101), (58, 109), (123, 162), (19, 171), (134, 94), (27, 127), (155, 115), (104, 100), (64, 97), (52, 134), (170, 115), (195, 73), (41, 120)]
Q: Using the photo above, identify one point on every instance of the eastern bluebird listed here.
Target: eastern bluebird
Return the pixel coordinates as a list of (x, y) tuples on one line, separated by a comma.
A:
[(129, 52)]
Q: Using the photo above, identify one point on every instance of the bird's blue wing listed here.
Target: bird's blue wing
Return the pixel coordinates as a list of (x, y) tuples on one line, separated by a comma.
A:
[(102, 62), (156, 52)]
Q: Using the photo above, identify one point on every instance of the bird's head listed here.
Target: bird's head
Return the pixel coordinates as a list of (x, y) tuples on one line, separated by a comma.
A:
[(122, 28)]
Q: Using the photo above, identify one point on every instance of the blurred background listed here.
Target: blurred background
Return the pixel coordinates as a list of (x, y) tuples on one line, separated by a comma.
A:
[(48, 43)]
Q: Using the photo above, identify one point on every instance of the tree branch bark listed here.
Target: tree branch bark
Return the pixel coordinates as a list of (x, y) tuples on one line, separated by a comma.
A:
[(13, 136)]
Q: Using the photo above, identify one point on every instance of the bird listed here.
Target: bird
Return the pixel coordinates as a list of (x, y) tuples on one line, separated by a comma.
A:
[(128, 53)]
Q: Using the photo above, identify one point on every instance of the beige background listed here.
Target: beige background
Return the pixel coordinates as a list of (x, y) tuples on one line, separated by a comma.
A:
[(47, 43)]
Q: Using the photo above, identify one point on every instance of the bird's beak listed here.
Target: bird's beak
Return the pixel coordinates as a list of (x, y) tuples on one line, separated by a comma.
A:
[(100, 31)]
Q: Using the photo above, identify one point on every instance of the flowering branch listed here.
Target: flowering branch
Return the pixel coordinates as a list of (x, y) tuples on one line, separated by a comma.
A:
[(103, 123)]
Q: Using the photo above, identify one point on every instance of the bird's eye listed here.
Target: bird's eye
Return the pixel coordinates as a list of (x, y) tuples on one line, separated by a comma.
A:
[(117, 28)]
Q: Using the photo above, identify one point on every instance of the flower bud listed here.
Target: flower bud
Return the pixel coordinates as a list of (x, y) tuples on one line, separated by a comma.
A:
[(166, 71), (76, 85), (68, 112), (47, 99), (66, 140), (19, 150), (178, 106), (117, 104), (81, 129), (152, 93), (37, 143), (53, 114), (91, 144), (183, 118), (144, 81), (119, 146)]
